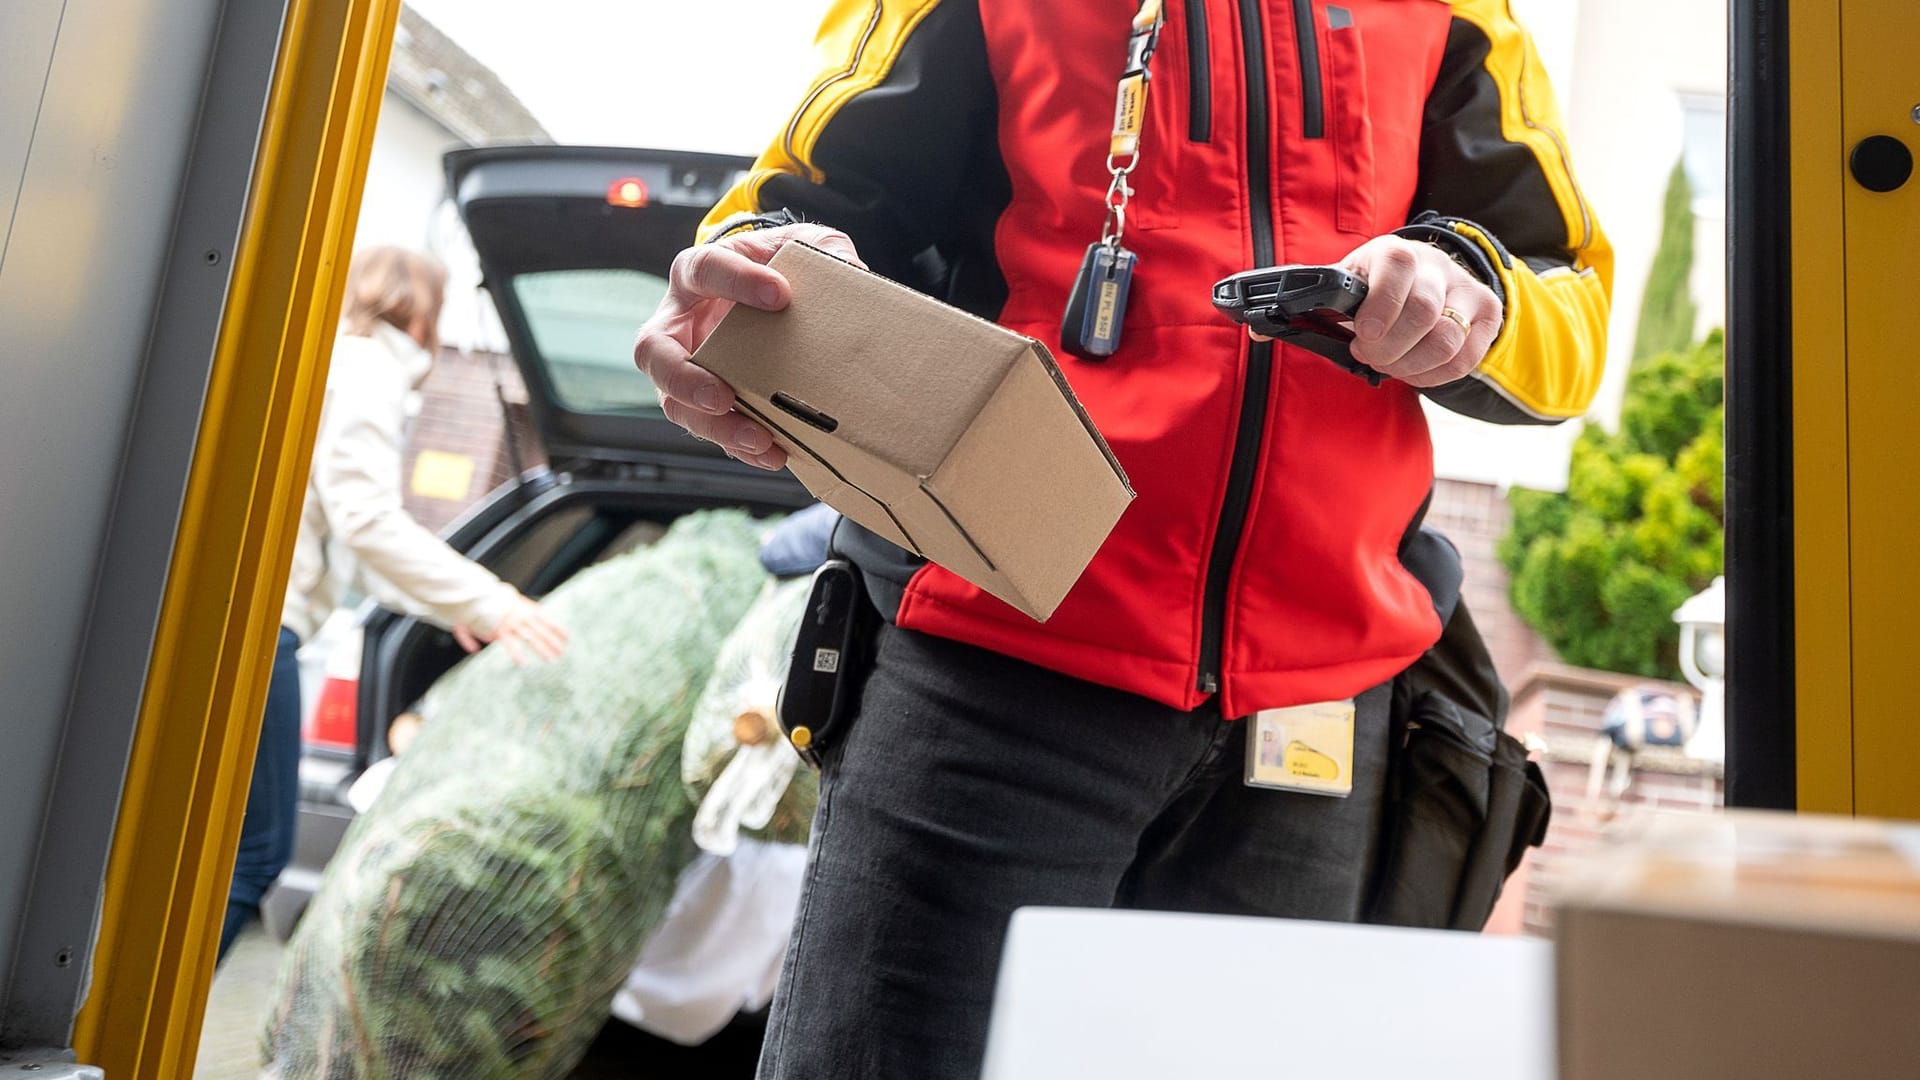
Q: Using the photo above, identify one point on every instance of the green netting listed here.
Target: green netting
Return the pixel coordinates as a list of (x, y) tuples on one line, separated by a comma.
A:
[(768, 794), (479, 917)]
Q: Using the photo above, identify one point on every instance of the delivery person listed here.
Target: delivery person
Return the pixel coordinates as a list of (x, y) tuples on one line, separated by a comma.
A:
[(963, 147), (354, 533)]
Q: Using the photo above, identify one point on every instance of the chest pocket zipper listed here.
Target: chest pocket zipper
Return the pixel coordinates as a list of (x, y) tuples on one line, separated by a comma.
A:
[(1313, 106), (1199, 73), (1350, 125)]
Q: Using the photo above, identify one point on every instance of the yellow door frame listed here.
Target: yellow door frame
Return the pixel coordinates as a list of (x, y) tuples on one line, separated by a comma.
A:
[(1879, 96), (186, 785), (1822, 582), (1851, 490)]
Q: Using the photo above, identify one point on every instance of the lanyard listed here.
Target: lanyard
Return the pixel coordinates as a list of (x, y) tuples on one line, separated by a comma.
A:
[(1130, 115), (1097, 306)]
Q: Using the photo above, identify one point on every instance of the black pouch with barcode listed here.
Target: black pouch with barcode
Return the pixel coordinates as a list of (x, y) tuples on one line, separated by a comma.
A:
[(831, 655), (1463, 801)]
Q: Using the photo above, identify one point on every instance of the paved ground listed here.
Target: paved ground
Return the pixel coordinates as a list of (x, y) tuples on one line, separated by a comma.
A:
[(243, 991), (236, 1007)]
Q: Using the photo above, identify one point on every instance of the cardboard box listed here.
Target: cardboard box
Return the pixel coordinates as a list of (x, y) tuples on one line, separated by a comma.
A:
[(1743, 945), (950, 436)]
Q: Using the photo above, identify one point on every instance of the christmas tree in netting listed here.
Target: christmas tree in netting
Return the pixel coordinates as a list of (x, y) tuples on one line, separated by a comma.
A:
[(477, 919)]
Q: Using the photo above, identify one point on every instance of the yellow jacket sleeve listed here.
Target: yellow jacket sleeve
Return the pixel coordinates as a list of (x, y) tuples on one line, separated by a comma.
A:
[(1495, 171), (889, 136)]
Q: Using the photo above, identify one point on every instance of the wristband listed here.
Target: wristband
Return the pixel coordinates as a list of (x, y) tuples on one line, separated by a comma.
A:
[(1437, 230), (748, 221)]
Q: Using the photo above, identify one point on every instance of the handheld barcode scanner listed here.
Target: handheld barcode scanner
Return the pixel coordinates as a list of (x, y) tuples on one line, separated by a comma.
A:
[(1300, 305)]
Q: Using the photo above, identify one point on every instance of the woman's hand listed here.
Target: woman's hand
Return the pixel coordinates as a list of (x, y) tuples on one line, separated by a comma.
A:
[(524, 628)]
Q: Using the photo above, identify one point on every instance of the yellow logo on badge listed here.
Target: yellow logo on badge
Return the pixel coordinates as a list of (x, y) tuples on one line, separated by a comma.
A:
[(1304, 761)]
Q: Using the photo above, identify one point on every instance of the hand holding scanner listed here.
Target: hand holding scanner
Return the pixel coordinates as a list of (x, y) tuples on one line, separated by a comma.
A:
[(1300, 305)]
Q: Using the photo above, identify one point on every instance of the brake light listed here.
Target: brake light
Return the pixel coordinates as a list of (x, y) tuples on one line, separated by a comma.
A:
[(627, 191), (336, 715)]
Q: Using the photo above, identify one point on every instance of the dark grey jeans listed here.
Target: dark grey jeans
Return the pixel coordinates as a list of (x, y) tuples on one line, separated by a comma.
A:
[(972, 784)]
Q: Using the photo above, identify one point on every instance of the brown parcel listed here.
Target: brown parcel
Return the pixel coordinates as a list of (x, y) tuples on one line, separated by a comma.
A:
[(1744, 945), (950, 436)]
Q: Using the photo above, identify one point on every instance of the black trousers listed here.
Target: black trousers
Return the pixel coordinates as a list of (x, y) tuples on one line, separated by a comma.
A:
[(273, 802), (971, 784)]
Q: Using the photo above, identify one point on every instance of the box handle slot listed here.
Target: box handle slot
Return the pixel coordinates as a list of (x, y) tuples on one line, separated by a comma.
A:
[(793, 406)]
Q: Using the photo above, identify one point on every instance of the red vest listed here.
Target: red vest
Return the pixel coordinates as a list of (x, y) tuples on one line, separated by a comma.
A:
[(1312, 602)]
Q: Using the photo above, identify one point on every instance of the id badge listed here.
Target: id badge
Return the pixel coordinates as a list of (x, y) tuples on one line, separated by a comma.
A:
[(1306, 748), (1098, 304)]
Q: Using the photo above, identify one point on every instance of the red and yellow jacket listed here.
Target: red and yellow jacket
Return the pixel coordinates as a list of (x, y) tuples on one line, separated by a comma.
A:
[(961, 143)]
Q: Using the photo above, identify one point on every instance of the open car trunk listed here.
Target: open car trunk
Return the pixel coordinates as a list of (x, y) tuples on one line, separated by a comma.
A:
[(575, 245)]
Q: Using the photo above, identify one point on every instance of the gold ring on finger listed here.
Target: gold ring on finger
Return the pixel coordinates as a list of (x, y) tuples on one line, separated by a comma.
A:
[(1465, 323)]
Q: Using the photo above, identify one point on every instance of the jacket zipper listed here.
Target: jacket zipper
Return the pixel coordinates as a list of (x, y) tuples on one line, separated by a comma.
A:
[(1250, 432), (1313, 106), (1566, 164), (1199, 81), (853, 68)]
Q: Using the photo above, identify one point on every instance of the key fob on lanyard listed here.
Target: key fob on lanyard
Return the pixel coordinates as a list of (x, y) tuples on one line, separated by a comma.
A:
[(1098, 304)]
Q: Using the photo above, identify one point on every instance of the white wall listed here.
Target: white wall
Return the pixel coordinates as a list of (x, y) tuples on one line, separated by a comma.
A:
[(406, 204), (1619, 68), (404, 181), (1533, 457), (1634, 60)]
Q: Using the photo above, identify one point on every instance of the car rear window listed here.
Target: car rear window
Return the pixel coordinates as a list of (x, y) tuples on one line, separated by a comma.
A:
[(583, 324)]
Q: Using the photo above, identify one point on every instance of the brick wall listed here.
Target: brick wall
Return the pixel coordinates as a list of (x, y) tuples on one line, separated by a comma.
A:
[(1475, 517), (1559, 710), (1556, 708), (462, 431)]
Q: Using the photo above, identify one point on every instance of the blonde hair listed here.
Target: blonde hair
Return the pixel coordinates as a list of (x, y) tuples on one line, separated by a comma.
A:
[(394, 286)]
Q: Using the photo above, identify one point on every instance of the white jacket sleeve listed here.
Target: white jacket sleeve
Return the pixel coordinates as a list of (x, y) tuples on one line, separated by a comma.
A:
[(357, 478)]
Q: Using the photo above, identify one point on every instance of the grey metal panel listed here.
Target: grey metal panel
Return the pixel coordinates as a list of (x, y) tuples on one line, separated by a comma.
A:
[(45, 1065), (27, 31), (111, 291)]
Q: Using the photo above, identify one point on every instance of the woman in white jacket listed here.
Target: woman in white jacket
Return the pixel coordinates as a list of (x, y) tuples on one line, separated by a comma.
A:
[(354, 531)]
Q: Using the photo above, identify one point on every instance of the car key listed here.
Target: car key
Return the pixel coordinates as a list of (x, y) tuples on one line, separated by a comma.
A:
[(1098, 304)]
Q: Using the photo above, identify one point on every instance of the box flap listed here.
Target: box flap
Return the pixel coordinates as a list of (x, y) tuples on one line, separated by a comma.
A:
[(1031, 481), (1799, 871)]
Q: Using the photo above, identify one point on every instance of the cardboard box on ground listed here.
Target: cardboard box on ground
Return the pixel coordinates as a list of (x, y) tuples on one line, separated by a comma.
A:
[(1747, 944), (946, 434)]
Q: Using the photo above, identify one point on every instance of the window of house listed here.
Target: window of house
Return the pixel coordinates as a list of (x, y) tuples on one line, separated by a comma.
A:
[(1704, 151)]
